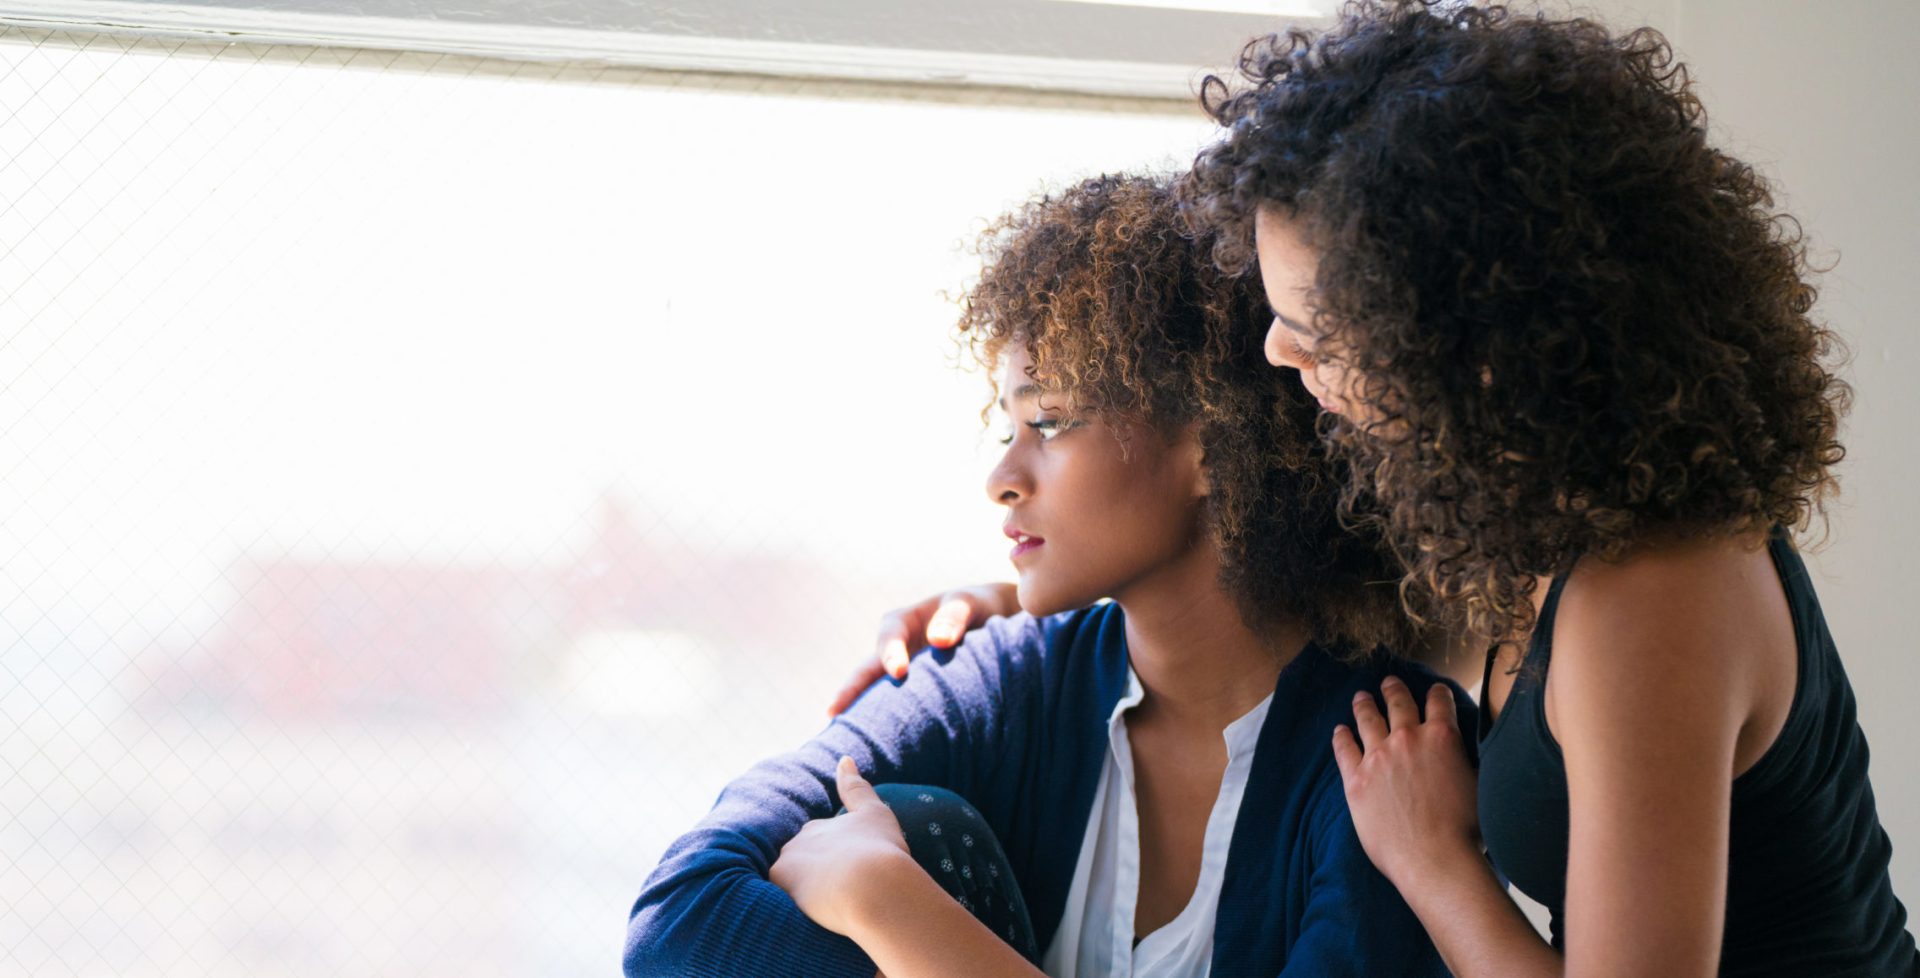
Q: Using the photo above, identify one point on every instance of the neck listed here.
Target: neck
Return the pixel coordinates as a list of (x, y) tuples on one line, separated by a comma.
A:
[(1199, 663)]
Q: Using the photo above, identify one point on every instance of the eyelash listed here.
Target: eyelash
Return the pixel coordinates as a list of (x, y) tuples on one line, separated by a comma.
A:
[(1047, 428), (1301, 353)]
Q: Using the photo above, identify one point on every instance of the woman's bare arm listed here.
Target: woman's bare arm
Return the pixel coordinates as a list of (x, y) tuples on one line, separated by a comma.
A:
[(913, 929), (854, 875), (1659, 665), (1672, 671)]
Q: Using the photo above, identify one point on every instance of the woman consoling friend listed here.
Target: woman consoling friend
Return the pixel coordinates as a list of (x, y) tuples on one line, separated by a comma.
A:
[(1566, 348), (1137, 786)]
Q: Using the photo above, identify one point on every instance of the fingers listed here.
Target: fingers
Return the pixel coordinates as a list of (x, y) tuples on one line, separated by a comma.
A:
[(1402, 711), (1367, 720), (1440, 707), (857, 682), (940, 621), (1346, 753), (897, 639), (894, 656), (855, 793), (951, 621)]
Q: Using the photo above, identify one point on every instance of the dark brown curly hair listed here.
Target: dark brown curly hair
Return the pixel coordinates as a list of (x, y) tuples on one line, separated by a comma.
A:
[(1584, 323), (1129, 319)]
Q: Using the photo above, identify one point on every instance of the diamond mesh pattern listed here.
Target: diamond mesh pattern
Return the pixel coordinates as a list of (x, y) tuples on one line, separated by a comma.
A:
[(426, 480)]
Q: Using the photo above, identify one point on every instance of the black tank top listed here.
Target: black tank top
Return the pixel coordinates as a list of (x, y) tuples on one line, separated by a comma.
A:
[(1808, 892)]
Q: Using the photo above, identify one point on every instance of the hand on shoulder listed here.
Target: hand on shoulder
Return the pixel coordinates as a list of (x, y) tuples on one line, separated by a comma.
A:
[(938, 621)]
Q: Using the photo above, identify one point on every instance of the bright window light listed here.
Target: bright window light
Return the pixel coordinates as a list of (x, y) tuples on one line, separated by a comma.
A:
[(428, 480)]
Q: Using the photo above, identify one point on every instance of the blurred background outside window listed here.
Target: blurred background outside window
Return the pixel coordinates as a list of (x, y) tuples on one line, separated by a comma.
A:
[(429, 479)]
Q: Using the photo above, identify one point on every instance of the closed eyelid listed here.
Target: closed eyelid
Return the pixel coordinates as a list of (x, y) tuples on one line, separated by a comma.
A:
[(1296, 335), (1299, 349)]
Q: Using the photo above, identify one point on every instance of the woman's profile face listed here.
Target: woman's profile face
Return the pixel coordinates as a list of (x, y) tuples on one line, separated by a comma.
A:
[(1287, 269), (1093, 511)]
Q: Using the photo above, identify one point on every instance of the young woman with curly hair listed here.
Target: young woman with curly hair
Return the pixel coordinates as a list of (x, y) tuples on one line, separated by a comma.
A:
[(1566, 348), (1140, 787)]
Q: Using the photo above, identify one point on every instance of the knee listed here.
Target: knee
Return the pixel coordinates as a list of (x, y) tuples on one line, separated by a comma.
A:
[(932, 813), (926, 798)]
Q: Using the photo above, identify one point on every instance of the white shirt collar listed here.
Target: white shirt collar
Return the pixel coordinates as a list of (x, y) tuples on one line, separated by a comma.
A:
[(1096, 931)]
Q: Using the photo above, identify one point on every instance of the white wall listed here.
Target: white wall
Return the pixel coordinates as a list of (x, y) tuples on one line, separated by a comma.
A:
[(1825, 99)]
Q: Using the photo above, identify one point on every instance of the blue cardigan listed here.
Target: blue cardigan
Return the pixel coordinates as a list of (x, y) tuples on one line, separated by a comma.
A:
[(1015, 721)]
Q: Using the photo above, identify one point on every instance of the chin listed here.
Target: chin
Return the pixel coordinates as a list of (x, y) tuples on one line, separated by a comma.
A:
[(1040, 600)]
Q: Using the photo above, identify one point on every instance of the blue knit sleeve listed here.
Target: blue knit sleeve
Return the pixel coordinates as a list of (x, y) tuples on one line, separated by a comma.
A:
[(1355, 923), (709, 910)]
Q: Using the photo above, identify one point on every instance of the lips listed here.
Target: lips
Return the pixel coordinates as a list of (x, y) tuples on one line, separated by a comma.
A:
[(1023, 542)]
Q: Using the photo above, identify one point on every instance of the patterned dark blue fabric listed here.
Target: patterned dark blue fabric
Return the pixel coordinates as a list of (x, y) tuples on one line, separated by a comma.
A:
[(958, 849)]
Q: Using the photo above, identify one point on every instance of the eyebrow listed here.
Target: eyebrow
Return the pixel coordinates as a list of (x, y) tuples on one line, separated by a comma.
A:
[(1022, 393), (1290, 324)]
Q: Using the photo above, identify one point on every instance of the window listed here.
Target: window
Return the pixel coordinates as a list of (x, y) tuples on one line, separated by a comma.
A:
[(429, 479)]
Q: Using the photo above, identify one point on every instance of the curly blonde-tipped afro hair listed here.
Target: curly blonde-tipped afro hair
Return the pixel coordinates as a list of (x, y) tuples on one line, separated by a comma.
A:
[(1124, 313)]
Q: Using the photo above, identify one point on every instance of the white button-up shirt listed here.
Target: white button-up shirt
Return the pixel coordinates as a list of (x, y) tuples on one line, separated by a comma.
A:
[(1095, 939)]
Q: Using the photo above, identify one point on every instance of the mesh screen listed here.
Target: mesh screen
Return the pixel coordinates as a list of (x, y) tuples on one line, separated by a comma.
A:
[(427, 480)]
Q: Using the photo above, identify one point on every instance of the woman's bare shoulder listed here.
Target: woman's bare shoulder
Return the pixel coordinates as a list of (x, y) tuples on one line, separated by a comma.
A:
[(1696, 623), (1687, 582)]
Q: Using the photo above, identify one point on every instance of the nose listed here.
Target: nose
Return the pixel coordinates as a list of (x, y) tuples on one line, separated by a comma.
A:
[(1009, 482), (1276, 346)]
